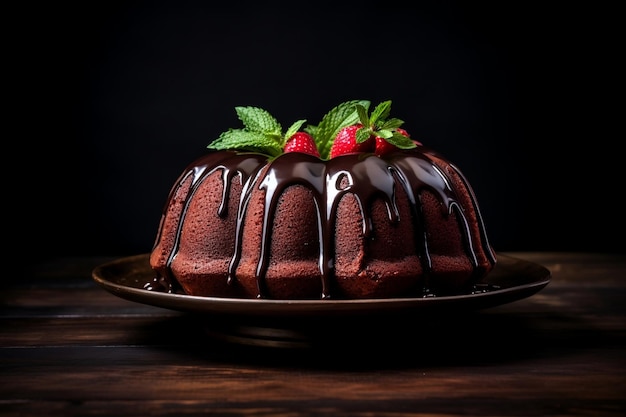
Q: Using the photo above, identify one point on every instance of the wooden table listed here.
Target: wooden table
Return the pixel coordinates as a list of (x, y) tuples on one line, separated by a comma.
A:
[(68, 347)]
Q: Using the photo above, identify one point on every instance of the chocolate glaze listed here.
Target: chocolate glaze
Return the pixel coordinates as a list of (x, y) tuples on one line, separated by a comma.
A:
[(366, 176)]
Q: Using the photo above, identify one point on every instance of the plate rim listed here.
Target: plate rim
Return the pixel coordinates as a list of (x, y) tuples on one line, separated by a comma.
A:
[(275, 307)]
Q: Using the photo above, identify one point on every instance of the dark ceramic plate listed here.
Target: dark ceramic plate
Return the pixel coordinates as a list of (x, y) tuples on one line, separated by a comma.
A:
[(327, 323), (512, 279)]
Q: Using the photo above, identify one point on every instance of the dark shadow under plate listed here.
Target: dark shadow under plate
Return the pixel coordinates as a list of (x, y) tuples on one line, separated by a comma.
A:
[(303, 323)]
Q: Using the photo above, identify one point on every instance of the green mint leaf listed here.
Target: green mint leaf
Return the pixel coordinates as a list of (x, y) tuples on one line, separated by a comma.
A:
[(391, 124), (384, 133), (380, 112), (258, 120), (293, 129), (363, 134), (363, 117), (342, 115), (244, 140), (311, 130), (401, 141)]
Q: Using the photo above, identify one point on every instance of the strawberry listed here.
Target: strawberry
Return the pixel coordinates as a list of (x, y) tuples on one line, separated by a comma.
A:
[(358, 131), (405, 133), (384, 147), (301, 142), (345, 142)]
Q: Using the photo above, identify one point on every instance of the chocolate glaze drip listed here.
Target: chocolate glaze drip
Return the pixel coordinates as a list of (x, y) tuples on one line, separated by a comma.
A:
[(231, 164), (367, 177)]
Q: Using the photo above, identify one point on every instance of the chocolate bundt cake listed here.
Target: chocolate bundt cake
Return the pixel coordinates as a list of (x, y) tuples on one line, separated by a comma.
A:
[(352, 208)]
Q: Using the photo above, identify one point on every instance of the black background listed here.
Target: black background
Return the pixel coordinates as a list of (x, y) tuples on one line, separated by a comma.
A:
[(116, 98)]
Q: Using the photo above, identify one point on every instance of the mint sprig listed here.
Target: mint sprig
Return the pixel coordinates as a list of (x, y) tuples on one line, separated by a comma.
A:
[(339, 117), (261, 133), (377, 124)]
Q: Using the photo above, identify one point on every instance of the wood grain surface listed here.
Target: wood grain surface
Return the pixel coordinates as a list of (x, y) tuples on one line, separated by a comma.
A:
[(69, 348)]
